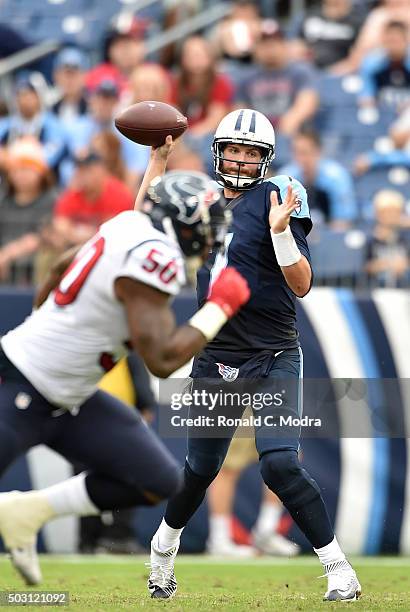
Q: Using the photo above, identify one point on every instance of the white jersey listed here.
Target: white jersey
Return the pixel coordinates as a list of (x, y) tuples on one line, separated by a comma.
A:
[(65, 347)]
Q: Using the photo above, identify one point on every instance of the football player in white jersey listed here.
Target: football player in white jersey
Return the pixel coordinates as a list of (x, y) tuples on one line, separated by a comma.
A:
[(113, 293)]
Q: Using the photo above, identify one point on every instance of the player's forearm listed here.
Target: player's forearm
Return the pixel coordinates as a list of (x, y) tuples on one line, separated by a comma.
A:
[(298, 277), (155, 168), (175, 351)]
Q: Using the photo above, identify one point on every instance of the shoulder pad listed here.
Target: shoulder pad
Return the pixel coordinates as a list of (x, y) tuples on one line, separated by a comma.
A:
[(282, 181)]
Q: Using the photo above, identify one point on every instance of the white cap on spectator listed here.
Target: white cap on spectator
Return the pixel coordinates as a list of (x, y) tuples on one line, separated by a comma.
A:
[(27, 152), (387, 198)]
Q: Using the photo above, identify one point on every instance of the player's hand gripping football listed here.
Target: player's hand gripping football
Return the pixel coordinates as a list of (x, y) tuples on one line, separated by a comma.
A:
[(279, 215), (230, 291), (163, 152)]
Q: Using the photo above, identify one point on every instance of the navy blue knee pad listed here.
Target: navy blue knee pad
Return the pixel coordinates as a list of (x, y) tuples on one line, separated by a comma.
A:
[(205, 465), (284, 475)]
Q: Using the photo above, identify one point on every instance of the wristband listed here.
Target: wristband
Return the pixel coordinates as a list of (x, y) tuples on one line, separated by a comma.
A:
[(286, 250), (209, 320)]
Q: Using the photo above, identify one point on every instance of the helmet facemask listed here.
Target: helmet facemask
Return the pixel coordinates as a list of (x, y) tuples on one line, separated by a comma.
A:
[(238, 182), (248, 127)]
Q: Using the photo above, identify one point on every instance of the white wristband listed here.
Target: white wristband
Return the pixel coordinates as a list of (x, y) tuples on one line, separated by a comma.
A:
[(209, 320), (286, 249)]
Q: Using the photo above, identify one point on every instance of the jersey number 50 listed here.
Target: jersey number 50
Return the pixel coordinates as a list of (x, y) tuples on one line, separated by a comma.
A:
[(154, 262)]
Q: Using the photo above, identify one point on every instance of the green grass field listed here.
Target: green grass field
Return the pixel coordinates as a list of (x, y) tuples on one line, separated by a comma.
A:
[(205, 583)]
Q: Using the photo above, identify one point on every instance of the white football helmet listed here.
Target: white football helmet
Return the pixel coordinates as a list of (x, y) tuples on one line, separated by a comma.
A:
[(249, 127)]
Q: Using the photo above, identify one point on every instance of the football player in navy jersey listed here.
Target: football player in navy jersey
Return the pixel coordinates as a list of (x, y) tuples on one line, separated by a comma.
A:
[(267, 245)]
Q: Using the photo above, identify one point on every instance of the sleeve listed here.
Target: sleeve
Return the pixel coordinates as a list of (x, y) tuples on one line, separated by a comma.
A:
[(370, 65), (397, 157), (299, 233), (54, 140), (155, 263), (4, 128), (223, 90), (302, 212)]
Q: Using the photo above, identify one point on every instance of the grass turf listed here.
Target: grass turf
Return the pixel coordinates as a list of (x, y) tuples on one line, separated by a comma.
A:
[(119, 583)]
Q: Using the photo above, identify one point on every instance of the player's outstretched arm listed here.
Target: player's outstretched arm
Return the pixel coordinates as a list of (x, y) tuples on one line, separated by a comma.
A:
[(156, 167), (154, 334), (295, 267)]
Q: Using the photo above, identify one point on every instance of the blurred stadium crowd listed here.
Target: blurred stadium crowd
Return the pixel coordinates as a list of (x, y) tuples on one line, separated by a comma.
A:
[(333, 76)]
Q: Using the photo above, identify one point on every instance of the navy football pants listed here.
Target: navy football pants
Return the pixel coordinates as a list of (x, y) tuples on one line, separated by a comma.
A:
[(279, 463), (127, 464)]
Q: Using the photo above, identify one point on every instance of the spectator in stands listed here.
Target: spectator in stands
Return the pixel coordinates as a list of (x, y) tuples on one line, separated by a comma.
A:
[(108, 146), (184, 158), (328, 184), (150, 82), (102, 108), (397, 155), (95, 197), (388, 253), (176, 12), (202, 93), (69, 78), (281, 90), (372, 31), (386, 72), (325, 34), (235, 36), (26, 204), (123, 52), (30, 118)]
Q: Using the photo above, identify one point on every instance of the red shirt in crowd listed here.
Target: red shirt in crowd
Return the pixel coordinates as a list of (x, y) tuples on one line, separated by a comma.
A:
[(115, 197), (222, 91)]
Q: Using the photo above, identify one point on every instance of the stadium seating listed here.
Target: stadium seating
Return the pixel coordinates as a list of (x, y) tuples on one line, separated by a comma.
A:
[(338, 257)]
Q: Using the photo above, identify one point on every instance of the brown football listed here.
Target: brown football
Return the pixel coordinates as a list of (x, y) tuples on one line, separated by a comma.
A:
[(149, 123)]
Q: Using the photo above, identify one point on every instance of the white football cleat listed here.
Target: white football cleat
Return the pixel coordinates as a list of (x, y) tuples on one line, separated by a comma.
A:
[(228, 548), (21, 516), (162, 583), (275, 544), (343, 584)]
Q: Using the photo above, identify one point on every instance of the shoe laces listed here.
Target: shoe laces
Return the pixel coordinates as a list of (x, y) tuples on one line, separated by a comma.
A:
[(162, 570), (337, 573)]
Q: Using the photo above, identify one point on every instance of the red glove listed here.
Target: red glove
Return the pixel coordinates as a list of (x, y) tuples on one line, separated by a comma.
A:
[(230, 291)]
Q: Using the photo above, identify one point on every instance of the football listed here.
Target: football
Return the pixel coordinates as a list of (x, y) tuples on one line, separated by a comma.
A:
[(149, 123)]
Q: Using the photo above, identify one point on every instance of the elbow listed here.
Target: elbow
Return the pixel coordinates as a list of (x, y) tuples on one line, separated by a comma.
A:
[(300, 293), (302, 289), (159, 370)]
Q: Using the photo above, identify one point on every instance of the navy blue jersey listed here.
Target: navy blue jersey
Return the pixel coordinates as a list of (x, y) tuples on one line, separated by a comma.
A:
[(268, 320)]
